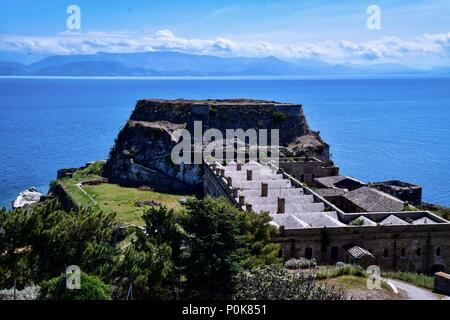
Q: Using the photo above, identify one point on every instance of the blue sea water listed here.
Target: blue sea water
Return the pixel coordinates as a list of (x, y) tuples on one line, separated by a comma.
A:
[(378, 128)]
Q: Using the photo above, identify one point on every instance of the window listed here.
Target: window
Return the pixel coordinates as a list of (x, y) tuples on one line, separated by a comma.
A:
[(438, 251), (334, 253), (402, 252), (302, 178), (419, 252), (386, 253), (308, 253)]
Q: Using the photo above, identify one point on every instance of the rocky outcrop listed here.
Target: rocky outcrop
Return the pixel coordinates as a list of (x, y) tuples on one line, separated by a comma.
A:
[(142, 151), (27, 197)]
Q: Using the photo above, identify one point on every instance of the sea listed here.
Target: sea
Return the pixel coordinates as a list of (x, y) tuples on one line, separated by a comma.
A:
[(378, 129)]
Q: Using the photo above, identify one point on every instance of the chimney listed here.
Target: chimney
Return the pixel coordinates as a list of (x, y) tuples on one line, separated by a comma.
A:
[(241, 201), (264, 189), (248, 207), (222, 173), (249, 175), (229, 181), (281, 205), (235, 193), (238, 166), (214, 166)]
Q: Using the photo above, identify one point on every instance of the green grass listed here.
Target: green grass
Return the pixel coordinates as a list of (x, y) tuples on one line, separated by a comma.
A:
[(123, 200), (112, 197), (419, 280), (78, 197), (354, 282)]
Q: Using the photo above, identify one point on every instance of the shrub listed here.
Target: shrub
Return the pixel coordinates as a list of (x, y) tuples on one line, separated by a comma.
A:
[(357, 222), (301, 263), (28, 293), (420, 280), (279, 116), (341, 270), (92, 288), (275, 283)]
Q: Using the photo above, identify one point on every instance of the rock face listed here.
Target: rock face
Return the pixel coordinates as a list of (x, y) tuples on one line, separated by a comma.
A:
[(142, 152), (27, 197)]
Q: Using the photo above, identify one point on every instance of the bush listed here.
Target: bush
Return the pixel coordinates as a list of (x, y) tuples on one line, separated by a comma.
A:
[(420, 280), (92, 288), (341, 270), (301, 263), (28, 293), (275, 283)]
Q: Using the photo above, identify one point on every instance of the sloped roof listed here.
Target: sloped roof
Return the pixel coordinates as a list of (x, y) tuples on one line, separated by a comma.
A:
[(330, 192), (357, 252), (372, 200), (424, 220), (393, 221), (330, 181)]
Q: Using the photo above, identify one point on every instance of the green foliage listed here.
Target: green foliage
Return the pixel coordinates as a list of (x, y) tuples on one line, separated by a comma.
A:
[(92, 288), (420, 280), (150, 262), (213, 111), (275, 283), (301, 263), (279, 116), (258, 237), (357, 222), (215, 247), (28, 293), (39, 241), (223, 241), (346, 269)]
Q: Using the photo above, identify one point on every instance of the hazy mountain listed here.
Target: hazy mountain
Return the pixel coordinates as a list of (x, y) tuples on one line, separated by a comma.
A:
[(181, 64), (161, 63), (12, 68)]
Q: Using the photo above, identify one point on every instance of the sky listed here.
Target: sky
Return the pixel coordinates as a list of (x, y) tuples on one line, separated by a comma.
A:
[(415, 33)]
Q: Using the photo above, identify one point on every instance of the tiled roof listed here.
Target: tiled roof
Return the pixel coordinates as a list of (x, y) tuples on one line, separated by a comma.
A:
[(373, 200), (424, 220), (358, 252), (393, 221)]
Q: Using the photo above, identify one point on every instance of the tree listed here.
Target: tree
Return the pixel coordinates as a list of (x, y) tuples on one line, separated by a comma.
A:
[(259, 238), (92, 288), (276, 283), (151, 263), (40, 241), (222, 241)]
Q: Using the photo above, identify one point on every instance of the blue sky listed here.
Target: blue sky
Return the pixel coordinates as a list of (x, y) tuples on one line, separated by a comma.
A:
[(412, 32)]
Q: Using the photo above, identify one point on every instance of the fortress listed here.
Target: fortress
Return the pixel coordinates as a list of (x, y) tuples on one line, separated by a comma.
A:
[(320, 213)]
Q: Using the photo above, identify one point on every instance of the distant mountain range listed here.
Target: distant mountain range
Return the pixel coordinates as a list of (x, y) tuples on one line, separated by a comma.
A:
[(181, 64)]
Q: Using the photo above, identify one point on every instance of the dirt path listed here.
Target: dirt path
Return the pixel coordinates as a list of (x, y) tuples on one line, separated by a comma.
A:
[(413, 292)]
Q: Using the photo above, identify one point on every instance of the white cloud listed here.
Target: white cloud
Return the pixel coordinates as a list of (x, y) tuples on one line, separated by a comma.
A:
[(387, 49)]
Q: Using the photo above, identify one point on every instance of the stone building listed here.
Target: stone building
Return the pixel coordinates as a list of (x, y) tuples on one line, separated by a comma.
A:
[(313, 227), (404, 191)]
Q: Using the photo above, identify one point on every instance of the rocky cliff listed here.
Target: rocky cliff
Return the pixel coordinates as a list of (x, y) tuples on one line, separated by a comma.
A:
[(142, 151)]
